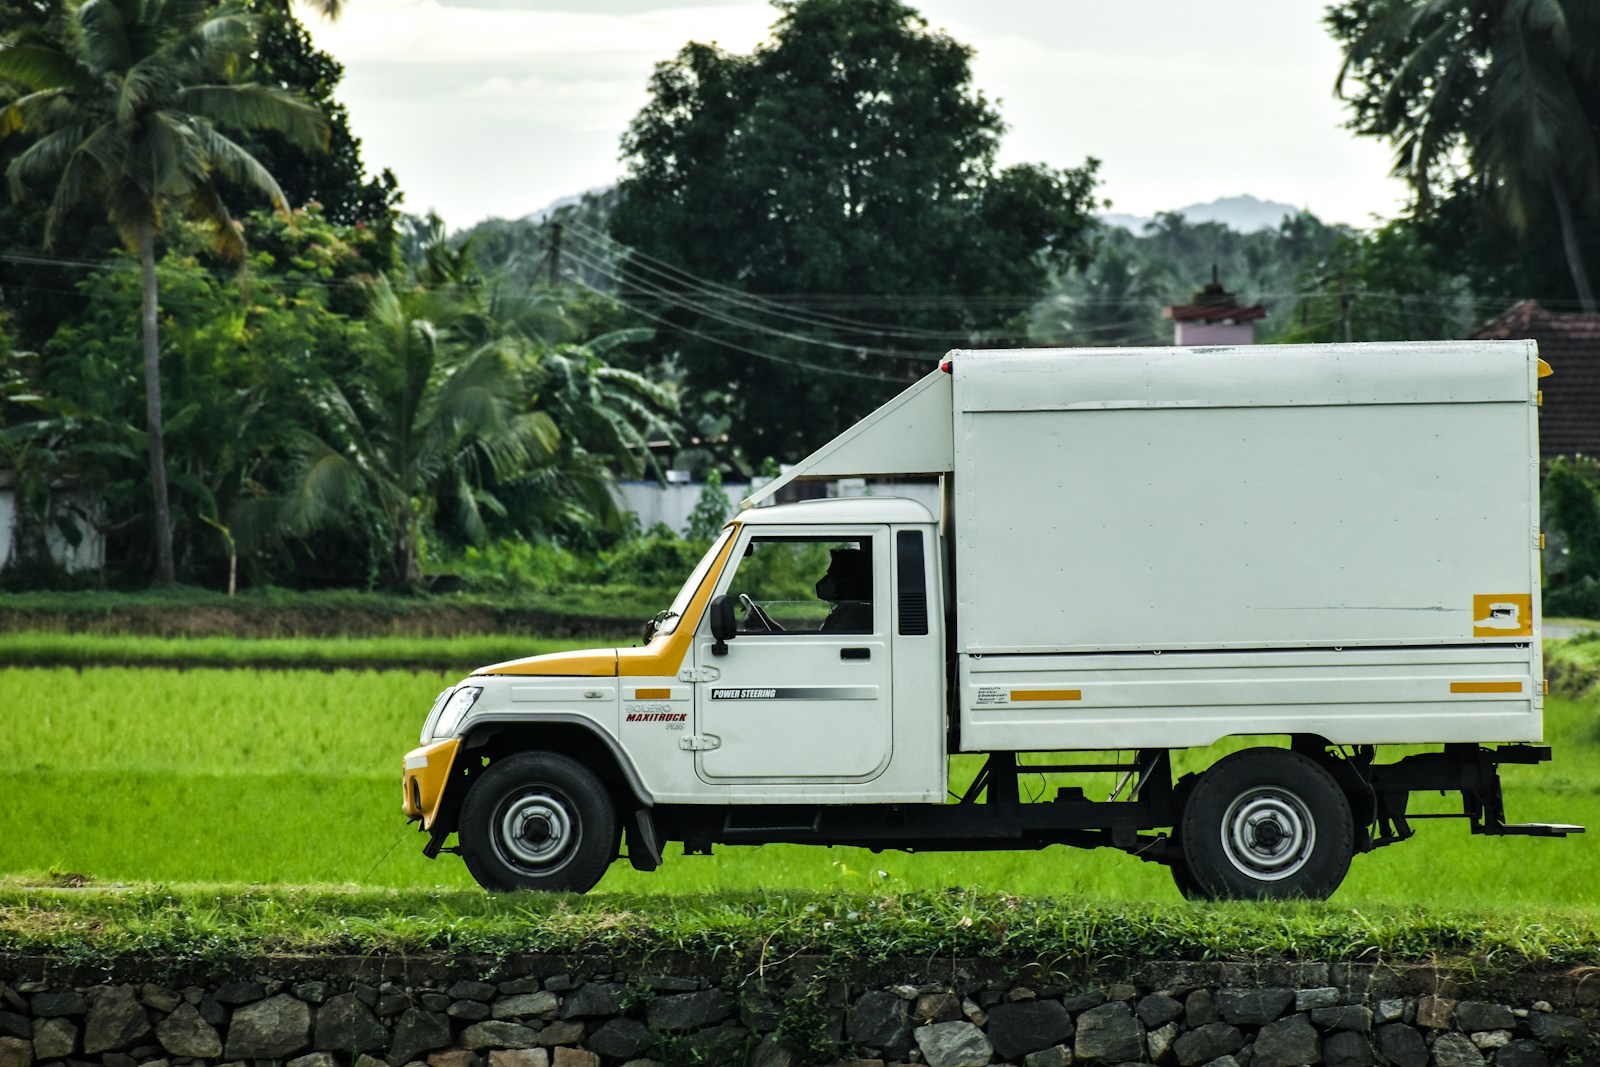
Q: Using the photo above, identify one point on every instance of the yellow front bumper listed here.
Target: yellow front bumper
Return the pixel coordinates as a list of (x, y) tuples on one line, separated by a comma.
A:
[(426, 771)]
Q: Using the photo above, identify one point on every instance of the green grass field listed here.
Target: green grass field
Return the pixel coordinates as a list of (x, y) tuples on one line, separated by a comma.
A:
[(292, 777)]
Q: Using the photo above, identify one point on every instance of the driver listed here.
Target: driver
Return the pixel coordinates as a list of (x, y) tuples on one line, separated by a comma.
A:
[(848, 587)]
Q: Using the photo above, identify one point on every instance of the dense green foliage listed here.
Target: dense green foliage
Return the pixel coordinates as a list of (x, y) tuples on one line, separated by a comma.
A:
[(1498, 104), (365, 400), (330, 416), (848, 155), (1572, 551), (1317, 283), (129, 104)]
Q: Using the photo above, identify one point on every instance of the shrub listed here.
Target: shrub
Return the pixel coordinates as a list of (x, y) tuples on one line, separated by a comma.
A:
[(521, 566), (656, 557)]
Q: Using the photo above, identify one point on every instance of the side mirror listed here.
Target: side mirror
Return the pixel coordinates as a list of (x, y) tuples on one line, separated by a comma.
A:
[(724, 623)]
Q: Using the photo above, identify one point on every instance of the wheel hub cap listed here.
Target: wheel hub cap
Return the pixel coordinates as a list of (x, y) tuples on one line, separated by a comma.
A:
[(1268, 833), (537, 830)]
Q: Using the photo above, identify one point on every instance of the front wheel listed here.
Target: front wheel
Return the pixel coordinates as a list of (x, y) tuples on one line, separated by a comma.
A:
[(1267, 824), (538, 820)]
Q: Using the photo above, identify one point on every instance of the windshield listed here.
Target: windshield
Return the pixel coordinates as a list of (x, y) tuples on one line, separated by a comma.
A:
[(680, 603)]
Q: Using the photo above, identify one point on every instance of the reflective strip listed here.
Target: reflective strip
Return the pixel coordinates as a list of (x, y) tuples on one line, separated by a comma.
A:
[(804, 692), (1047, 694), (1485, 687), (652, 694)]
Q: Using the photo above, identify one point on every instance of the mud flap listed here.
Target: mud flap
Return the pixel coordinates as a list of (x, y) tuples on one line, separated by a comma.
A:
[(644, 851)]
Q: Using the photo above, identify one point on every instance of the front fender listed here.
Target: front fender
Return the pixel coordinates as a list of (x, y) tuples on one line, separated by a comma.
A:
[(496, 735)]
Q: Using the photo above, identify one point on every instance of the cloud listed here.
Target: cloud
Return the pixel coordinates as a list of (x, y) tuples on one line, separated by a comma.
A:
[(429, 32), (606, 7)]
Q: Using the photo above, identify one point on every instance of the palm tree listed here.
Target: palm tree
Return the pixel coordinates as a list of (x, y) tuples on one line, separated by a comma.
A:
[(422, 421), (1510, 84), (129, 108)]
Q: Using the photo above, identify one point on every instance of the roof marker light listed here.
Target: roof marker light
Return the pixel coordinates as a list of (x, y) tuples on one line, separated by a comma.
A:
[(944, 365)]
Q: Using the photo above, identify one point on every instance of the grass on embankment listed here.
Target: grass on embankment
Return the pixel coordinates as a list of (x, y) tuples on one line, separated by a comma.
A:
[(458, 654), (184, 611), (219, 922)]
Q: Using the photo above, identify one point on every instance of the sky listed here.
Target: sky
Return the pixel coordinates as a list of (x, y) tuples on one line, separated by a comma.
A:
[(487, 108)]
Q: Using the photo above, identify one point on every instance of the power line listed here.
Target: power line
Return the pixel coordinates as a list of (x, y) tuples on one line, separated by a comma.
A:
[(768, 356), (669, 271), (755, 327)]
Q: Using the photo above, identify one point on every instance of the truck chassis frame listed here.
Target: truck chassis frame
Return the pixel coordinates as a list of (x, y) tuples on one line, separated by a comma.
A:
[(990, 815)]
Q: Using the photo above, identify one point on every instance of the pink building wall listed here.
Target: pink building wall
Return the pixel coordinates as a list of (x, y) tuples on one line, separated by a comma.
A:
[(1213, 333)]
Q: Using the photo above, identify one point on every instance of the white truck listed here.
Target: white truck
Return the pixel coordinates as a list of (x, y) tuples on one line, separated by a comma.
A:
[(1305, 552)]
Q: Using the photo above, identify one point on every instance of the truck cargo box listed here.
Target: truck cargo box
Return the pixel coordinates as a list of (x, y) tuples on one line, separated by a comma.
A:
[(1250, 497)]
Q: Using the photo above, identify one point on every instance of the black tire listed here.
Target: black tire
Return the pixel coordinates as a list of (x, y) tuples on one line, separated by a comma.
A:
[(538, 820), (1187, 886), (1267, 824)]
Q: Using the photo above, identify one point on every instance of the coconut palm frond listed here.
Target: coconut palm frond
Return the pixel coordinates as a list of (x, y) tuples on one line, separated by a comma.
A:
[(40, 68), (328, 487), (257, 107), (236, 163), (44, 158), (103, 36), (599, 346)]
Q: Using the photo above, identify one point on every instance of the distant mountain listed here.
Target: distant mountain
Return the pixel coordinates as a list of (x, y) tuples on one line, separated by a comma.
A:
[(1244, 214), (568, 202)]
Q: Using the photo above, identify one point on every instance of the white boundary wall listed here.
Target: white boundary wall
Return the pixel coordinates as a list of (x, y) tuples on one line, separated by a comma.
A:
[(90, 553)]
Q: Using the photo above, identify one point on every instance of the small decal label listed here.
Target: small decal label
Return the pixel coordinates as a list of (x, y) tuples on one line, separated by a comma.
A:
[(806, 692), (1502, 615), (993, 694), (654, 713)]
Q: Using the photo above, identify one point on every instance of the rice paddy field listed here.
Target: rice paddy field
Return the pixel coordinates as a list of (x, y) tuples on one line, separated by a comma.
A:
[(246, 776)]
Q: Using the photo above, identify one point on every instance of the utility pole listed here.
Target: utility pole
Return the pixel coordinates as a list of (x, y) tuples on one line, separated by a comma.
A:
[(555, 254)]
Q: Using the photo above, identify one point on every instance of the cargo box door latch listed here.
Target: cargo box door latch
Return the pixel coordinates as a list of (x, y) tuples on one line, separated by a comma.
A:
[(700, 742)]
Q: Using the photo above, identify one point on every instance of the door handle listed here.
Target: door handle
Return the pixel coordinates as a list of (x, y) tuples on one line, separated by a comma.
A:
[(855, 653)]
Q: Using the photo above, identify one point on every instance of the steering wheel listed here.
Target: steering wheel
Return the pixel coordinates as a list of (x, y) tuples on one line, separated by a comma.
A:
[(754, 611)]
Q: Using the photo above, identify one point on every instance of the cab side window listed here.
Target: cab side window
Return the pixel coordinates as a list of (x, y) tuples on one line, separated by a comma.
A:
[(805, 585)]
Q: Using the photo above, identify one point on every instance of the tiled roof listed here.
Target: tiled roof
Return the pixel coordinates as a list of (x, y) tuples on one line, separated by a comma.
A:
[(1214, 313), (1213, 303), (1569, 421)]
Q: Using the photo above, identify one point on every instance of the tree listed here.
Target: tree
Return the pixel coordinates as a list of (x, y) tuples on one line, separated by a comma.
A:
[(1510, 87), (424, 418), (1385, 285), (285, 57), (834, 200), (129, 107), (237, 350)]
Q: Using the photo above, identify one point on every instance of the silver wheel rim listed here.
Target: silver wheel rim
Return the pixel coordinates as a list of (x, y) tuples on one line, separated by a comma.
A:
[(1268, 833), (536, 830)]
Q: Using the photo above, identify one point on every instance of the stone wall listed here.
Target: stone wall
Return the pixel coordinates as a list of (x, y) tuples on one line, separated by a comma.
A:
[(537, 1011)]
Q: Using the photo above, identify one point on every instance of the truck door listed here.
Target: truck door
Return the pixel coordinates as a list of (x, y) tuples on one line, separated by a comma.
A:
[(803, 692)]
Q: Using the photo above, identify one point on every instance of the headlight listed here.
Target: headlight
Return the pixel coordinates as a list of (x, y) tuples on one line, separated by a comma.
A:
[(458, 706), (433, 713)]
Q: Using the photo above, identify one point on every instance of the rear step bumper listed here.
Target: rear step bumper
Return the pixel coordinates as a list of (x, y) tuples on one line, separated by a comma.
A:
[(1474, 771), (1529, 829)]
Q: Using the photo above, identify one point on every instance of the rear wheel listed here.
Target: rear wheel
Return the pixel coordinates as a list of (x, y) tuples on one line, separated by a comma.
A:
[(538, 820), (1266, 823), (1187, 886)]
